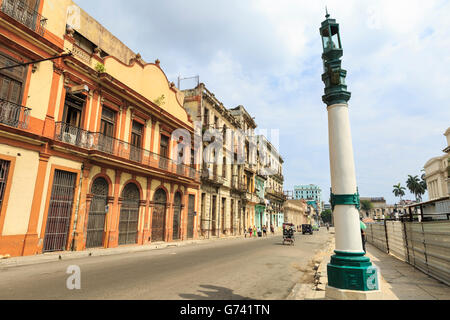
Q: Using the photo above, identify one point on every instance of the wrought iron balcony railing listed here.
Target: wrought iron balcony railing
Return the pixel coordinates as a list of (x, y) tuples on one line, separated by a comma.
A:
[(95, 141), (19, 10), (14, 115), (72, 135), (275, 193), (212, 177)]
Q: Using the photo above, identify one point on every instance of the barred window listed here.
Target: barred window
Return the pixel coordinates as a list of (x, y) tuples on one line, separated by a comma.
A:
[(4, 170)]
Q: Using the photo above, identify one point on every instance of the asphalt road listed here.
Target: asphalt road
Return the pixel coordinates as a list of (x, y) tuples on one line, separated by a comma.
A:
[(235, 269)]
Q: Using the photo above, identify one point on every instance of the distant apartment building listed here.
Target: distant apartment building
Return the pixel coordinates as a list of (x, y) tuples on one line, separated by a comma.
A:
[(309, 192)]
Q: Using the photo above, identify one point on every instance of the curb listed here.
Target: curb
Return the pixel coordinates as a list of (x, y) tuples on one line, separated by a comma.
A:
[(316, 290)]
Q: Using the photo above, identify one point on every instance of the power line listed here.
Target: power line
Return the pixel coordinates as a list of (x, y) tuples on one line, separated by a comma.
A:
[(36, 61)]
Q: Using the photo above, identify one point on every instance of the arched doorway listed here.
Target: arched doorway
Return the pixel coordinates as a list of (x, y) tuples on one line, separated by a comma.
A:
[(159, 215), (176, 216), (129, 215), (97, 213)]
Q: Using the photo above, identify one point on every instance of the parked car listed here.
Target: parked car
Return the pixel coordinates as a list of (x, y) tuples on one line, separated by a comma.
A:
[(307, 228)]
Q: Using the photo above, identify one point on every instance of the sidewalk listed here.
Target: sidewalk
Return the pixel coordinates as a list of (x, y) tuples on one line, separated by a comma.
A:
[(398, 280), (95, 252)]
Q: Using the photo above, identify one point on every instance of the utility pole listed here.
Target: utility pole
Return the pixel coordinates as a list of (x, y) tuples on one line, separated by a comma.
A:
[(351, 275)]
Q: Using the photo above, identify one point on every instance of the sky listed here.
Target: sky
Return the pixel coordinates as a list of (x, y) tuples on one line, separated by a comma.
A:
[(266, 56)]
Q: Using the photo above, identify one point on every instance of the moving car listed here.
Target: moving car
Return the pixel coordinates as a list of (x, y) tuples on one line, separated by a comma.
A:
[(307, 228)]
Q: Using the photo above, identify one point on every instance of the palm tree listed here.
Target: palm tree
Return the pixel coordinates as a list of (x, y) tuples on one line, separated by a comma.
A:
[(416, 186), (412, 184), (399, 191)]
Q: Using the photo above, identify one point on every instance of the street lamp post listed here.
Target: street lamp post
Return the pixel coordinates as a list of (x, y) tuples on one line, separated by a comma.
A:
[(351, 275)]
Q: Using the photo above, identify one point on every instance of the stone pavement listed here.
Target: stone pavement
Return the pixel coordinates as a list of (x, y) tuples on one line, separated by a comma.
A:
[(398, 280)]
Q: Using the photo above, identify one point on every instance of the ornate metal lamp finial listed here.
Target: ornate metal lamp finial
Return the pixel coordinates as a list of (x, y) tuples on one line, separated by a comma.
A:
[(327, 14)]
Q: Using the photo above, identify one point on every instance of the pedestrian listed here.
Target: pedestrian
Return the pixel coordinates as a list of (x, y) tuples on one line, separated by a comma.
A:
[(254, 231), (363, 235), (328, 227), (272, 230), (363, 239), (250, 231), (259, 232), (265, 231), (245, 233)]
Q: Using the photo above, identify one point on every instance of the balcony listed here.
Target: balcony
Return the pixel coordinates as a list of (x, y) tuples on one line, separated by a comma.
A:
[(251, 197), (97, 142), (212, 178), (19, 11), (73, 135), (14, 115), (250, 167), (277, 194), (237, 185)]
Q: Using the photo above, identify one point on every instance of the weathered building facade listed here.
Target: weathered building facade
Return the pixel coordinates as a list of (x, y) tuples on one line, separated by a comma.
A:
[(248, 146), (223, 187), (274, 194), (86, 139), (297, 212)]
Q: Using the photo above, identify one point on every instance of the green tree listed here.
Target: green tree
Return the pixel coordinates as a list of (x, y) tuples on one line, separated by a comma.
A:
[(416, 186), (399, 191), (326, 216), (366, 206)]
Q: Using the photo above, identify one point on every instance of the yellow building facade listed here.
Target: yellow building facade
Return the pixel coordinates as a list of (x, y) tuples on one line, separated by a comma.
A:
[(86, 139)]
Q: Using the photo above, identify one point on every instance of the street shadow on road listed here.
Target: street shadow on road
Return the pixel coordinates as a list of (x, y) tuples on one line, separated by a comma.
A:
[(218, 293)]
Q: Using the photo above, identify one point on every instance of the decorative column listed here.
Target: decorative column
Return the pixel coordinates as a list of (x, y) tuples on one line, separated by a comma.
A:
[(113, 221), (351, 275), (169, 214), (30, 244), (147, 227), (141, 221), (110, 208)]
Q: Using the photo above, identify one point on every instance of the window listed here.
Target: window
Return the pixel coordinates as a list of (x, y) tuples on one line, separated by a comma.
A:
[(84, 43), (216, 122), (224, 167), (136, 141), (107, 122), (11, 80), (206, 118), (136, 134), (164, 146), (73, 109)]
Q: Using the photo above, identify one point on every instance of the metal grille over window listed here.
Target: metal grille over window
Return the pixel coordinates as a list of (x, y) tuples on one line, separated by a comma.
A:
[(59, 211), (97, 213), (4, 169), (176, 217), (129, 215), (159, 215), (190, 222)]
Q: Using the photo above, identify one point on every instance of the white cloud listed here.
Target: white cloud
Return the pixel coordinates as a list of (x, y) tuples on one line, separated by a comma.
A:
[(266, 56)]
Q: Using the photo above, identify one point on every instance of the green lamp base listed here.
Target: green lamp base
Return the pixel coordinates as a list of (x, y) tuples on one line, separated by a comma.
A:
[(352, 271)]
